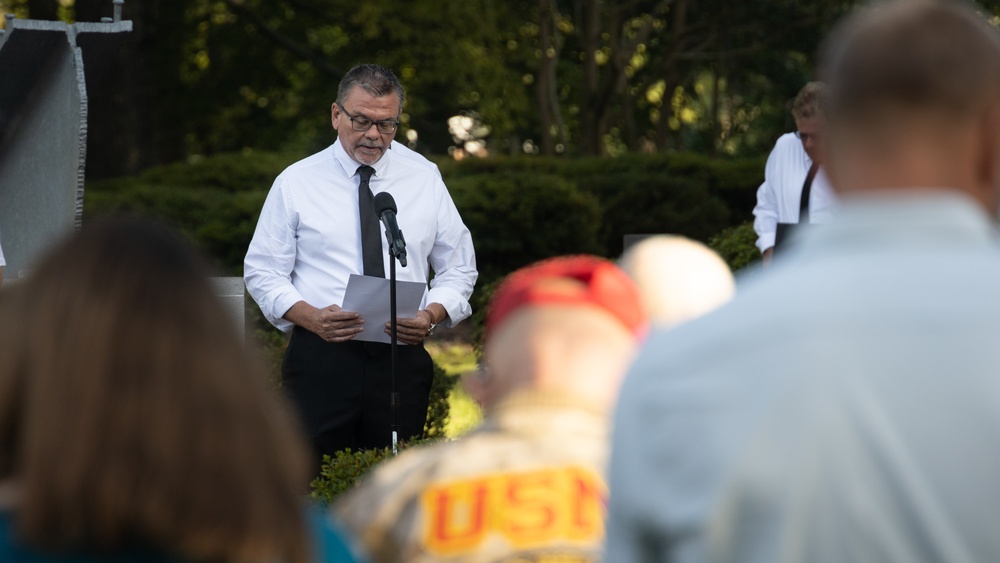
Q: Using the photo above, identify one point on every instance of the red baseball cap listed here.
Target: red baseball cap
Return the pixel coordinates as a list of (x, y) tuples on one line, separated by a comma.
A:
[(600, 283)]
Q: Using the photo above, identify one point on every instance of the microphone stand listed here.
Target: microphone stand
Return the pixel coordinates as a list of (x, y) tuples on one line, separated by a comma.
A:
[(394, 353)]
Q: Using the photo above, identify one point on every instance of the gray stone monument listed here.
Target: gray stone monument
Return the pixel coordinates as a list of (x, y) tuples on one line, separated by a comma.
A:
[(45, 70), (231, 293)]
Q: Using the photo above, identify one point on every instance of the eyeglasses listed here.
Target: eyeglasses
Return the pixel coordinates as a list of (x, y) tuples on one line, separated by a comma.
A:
[(806, 136), (362, 123)]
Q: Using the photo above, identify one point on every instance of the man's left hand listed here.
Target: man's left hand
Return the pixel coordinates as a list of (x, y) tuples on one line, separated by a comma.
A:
[(411, 331)]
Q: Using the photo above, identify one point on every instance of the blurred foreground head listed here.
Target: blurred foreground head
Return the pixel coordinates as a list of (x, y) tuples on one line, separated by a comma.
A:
[(679, 279), (568, 324), (914, 100), (130, 415)]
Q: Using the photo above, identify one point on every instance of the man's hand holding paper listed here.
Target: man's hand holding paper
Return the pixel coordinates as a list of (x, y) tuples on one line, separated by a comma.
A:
[(368, 296)]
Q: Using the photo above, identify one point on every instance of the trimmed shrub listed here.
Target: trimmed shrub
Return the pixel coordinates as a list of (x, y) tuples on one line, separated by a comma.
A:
[(219, 222), (517, 218), (438, 408), (341, 471), (736, 245), (678, 193), (519, 209), (228, 172), (635, 205)]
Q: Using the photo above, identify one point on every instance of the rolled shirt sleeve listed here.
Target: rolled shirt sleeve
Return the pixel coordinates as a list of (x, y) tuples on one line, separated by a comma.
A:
[(453, 260), (270, 259), (765, 222)]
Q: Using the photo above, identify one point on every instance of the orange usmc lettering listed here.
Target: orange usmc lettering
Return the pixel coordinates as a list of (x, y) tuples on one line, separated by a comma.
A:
[(527, 509), (588, 506), (457, 514)]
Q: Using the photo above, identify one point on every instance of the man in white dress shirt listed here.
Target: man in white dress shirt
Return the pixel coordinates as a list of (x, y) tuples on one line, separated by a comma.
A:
[(795, 157), (845, 406), (318, 226)]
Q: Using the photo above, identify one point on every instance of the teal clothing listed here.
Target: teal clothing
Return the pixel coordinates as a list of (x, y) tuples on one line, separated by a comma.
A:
[(330, 547)]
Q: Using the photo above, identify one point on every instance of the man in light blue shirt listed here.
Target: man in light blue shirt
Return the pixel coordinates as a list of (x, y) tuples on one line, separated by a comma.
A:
[(846, 405)]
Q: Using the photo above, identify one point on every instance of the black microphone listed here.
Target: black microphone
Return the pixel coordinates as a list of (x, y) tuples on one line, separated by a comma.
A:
[(385, 208)]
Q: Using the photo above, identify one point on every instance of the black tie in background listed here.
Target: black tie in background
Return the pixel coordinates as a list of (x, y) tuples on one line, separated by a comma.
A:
[(371, 237), (781, 234)]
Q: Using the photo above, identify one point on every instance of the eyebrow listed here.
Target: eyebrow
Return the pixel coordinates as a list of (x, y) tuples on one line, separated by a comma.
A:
[(360, 115)]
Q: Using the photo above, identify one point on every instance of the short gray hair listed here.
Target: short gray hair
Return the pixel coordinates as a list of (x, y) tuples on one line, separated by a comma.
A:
[(374, 79)]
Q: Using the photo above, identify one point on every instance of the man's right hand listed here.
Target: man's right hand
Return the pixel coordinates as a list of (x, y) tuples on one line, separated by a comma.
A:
[(331, 323)]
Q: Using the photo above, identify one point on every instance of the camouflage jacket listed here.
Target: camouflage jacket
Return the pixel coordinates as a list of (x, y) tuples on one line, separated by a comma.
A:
[(527, 486)]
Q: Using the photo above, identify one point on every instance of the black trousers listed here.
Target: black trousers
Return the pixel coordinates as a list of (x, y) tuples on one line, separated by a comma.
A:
[(341, 391)]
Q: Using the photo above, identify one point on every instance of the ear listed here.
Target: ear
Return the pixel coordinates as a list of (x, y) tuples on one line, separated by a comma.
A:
[(832, 165), (334, 114), (988, 165)]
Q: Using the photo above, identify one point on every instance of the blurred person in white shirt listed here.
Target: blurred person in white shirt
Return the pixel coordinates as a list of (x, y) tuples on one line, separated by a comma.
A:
[(796, 189)]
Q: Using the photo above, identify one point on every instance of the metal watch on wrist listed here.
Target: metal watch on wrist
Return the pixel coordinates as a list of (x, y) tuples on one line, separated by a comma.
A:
[(430, 317)]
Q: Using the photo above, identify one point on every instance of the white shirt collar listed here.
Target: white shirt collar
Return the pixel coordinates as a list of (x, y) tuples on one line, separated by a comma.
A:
[(350, 166)]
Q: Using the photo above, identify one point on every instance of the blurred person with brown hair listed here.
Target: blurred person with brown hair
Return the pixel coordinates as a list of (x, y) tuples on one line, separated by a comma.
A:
[(133, 425), (528, 484), (796, 189), (846, 405)]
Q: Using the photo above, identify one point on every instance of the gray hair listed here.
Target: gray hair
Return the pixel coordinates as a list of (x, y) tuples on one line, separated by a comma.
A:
[(377, 80)]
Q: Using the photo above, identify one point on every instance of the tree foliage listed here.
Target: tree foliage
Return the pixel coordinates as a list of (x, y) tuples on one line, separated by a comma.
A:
[(590, 77)]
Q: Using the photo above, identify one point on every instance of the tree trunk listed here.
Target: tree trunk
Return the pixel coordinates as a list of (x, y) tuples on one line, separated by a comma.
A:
[(662, 133), (671, 74), (716, 129), (590, 135), (542, 82)]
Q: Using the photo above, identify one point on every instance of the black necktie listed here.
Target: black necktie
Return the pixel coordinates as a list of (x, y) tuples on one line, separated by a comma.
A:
[(371, 238), (804, 216)]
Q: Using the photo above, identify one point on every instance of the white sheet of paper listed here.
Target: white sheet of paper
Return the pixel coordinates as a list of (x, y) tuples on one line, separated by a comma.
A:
[(369, 296)]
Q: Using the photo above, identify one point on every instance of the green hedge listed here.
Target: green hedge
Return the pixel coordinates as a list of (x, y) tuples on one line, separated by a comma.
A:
[(687, 194), (438, 407), (518, 218), (737, 246), (519, 209)]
